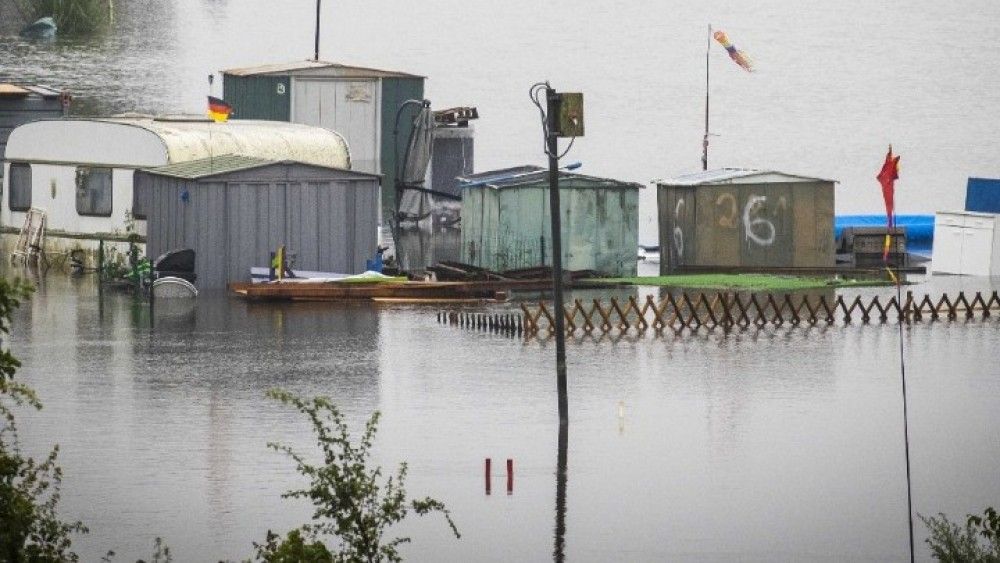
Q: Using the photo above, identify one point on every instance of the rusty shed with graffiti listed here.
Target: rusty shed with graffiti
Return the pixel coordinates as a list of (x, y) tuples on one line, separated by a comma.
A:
[(737, 218), (506, 222)]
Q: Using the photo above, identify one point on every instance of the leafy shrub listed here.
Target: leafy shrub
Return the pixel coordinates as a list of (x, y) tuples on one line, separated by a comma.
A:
[(977, 542), (351, 505)]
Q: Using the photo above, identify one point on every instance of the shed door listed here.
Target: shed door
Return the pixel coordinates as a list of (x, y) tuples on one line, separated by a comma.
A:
[(348, 107)]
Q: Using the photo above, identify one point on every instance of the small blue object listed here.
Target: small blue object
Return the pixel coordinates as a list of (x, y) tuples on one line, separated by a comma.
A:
[(982, 195), (572, 166), (185, 196), (376, 264)]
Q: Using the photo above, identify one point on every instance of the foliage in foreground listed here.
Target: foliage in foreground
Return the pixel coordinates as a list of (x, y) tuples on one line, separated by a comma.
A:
[(977, 542), (30, 529), (352, 506)]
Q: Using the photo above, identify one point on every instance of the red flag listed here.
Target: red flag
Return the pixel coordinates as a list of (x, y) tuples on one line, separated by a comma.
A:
[(887, 177)]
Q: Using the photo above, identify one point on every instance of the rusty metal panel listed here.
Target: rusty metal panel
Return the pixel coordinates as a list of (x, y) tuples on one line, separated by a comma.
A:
[(717, 229), (767, 225), (678, 218), (823, 225), (804, 214)]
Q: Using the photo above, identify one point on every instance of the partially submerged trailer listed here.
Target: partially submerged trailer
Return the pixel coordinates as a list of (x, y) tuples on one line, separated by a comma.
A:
[(80, 171)]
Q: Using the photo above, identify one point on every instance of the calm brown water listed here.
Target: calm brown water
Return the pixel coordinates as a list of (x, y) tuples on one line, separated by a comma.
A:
[(784, 444)]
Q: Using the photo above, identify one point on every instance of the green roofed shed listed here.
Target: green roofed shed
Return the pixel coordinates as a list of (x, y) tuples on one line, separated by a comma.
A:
[(506, 221)]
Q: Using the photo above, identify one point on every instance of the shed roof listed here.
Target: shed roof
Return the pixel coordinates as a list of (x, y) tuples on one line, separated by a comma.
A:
[(142, 140), (311, 66), (527, 175), (22, 90), (721, 176), (224, 164)]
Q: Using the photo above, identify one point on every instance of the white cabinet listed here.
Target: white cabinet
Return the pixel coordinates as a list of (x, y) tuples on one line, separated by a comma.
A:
[(966, 243)]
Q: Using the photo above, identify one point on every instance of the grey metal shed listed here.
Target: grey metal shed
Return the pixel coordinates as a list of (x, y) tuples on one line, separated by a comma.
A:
[(745, 218), (22, 103), (357, 102), (235, 210), (506, 223)]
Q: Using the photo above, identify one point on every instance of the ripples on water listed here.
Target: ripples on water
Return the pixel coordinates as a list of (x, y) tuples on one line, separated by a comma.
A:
[(780, 444)]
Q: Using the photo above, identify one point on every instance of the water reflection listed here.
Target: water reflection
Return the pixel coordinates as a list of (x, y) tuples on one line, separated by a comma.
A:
[(558, 554)]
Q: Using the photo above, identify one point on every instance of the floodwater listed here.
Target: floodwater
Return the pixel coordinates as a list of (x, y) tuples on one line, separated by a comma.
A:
[(780, 444)]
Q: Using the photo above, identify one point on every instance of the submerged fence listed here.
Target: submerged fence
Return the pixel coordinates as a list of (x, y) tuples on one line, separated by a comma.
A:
[(724, 311)]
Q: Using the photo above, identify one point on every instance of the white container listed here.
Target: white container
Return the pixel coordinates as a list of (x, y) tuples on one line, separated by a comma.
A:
[(966, 242)]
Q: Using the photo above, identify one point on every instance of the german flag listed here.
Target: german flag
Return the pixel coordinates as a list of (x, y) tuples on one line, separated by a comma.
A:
[(218, 109)]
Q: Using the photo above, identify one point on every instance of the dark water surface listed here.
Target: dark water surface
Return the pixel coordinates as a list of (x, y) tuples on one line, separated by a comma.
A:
[(780, 444)]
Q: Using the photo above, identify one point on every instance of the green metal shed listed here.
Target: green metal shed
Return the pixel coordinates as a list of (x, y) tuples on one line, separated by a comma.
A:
[(745, 218), (506, 223), (359, 103)]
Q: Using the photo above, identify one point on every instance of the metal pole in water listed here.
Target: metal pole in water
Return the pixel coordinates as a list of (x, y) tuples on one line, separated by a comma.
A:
[(906, 429), (552, 119)]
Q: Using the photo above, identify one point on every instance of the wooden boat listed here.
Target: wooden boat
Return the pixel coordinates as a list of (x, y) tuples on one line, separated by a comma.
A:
[(395, 291)]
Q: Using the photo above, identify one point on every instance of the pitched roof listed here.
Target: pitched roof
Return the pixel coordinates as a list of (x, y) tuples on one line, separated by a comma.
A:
[(527, 175), (304, 67), (226, 163), (736, 176), (210, 166)]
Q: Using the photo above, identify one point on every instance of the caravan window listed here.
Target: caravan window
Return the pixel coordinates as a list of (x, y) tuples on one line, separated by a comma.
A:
[(20, 187), (93, 191)]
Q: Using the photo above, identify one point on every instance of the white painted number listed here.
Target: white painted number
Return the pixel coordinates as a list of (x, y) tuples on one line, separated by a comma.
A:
[(678, 233), (752, 223)]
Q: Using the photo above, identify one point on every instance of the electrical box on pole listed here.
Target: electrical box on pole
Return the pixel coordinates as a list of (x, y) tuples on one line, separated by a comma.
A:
[(570, 115)]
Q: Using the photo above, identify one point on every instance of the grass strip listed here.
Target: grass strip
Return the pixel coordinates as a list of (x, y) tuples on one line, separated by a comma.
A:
[(767, 282)]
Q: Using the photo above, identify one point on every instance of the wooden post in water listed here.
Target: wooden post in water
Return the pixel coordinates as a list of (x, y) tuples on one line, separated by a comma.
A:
[(488, 476)]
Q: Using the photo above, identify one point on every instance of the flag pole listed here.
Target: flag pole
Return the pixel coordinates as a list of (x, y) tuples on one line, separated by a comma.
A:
[(211, 155), (704, 142)]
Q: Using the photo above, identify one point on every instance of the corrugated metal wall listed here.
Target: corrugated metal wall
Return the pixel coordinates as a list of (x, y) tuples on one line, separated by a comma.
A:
[(510, 228), (746, 225), (258, 97), (395, 91), (16, 111), (235, 223)]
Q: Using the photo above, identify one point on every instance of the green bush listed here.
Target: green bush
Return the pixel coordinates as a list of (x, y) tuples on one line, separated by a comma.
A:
[(977, 542), (351, 503), (30, 529)]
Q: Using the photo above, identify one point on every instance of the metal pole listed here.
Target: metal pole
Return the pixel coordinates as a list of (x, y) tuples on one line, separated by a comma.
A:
[(316, 51), (552, 119), (704, 142), (906, 429)]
